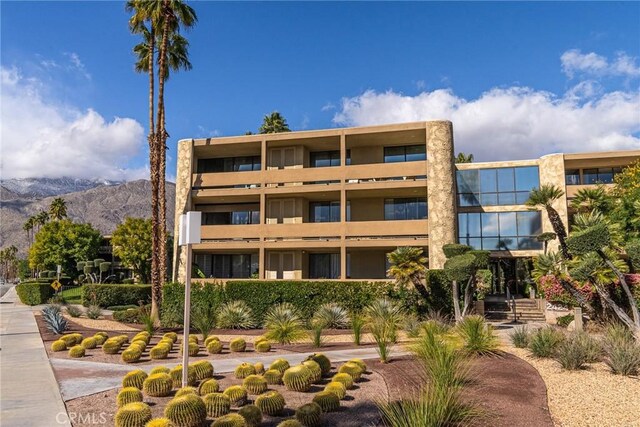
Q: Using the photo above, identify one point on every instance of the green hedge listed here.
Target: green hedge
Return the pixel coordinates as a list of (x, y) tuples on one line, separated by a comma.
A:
[(34, 293), (106, 295), (307, 296), (440, 297)]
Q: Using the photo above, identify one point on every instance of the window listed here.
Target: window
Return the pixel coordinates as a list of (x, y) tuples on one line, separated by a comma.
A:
[(405, 153), (499, 231), (235, 217), (226, 266), (600, 175), (572, 177), (324, 266), (324, 212), (405, 209), (496, 186), (229, 164), (322, 159)]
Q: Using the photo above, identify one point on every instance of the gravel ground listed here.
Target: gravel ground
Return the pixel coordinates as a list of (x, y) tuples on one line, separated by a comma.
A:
[(590, 397), (101, 324)]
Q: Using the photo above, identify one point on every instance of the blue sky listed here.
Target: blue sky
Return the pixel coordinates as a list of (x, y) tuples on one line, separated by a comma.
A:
[(517, 79)]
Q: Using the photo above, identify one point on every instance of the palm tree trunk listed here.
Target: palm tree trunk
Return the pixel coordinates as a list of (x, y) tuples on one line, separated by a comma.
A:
[(634, 326), (560, 230), (625, 286), (421, 288)]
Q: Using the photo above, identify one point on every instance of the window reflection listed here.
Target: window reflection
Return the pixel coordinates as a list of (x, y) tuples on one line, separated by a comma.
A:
[(405, 209), (405, 153), (496, 186), (500, 230)]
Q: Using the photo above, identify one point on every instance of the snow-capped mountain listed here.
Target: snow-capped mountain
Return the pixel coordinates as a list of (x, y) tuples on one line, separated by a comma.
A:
[(46, 187)]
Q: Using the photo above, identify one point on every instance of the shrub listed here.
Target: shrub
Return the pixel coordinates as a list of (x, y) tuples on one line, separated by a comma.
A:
[(89, 343), (383, 318), (237, 394), (477, 335), (273, 376), (133, 415), (134, 379), (622, 352), (130, 315), (262, 346), (588, 240), (208, 386), (255, 384), (34, 293), (270, 403), (243, 370), (545, 341), (203, 319), (316, 371), (323, 361), (236, 315), (214, 347), (412, 326), (74, 311), (442, 364), (230, 420), (186, 411), (336, 388), (128, 395), (131, 354), (58, 345), (351, 369), (576, 350), (565, 320), (203, 369), (237, 345), (121, 307), (252, 415), (297, 378), (93, 312), (331, 316), (357, 325), (520, 337), (279, 364), (284, 324), (309, 415), (157, 385), (106, 295), (344, 379), (76, 351), (328, 401), (217, 404)]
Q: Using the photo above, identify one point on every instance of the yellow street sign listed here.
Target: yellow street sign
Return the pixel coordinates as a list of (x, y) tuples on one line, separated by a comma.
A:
[(56, 285)]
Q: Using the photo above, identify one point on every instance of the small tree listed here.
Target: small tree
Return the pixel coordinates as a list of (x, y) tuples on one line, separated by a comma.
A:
[(62, 243), (464, 266), (408, 266), (9, 263), (94, 270), (274, 123), (545, 196), (545, 238), (131, 243)]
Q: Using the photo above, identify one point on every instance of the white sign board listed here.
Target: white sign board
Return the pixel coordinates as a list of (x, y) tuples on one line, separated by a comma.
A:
[(190, 228), (59, 269)]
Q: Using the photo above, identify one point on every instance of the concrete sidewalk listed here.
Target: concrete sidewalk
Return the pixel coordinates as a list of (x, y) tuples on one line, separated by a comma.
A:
[(29, 393), (97, 376)]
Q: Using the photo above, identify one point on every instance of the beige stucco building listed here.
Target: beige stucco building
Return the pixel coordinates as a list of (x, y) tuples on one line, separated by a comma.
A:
[(332, 203)]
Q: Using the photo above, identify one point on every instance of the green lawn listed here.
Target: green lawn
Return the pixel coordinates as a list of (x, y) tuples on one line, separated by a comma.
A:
[(72, 295)]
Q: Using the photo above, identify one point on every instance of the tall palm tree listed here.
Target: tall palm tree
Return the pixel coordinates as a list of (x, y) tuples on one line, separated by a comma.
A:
[(409, 265), (58, 209), (41, 219), (544, 197), (274, 123), (159, 23), (28, 228), (464, 158)]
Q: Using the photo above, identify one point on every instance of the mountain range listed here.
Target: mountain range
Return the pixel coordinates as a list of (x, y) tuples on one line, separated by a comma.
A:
[(103, 204)]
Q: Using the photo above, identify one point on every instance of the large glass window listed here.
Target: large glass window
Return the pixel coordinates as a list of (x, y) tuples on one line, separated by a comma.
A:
[(405, 209), (600, 175), (229, 164), (235, 217), (324, 266), (227, 266), (496, 186), (405, 153), (323, 159), (499, 231), (324, 212)]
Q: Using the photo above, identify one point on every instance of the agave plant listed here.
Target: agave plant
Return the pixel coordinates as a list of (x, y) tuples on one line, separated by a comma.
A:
[(284, 324), (236, 315), (331, 316), (203, 319), (52, 316)]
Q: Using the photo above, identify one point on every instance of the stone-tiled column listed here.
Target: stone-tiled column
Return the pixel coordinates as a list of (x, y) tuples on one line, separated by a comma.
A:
[(441, 190), (183, 203), (552, 173)]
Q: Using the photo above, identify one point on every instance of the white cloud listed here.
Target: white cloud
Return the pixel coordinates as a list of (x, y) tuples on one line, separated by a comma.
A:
[(575, 62), (77, 65), (511, 123), (42, 138)]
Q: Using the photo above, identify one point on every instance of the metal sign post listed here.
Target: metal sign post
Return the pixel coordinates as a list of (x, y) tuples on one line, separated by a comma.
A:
[(189, 234)]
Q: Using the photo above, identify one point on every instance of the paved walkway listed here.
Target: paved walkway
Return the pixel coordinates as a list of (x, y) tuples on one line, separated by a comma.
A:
[(29, 393), (82, 378)]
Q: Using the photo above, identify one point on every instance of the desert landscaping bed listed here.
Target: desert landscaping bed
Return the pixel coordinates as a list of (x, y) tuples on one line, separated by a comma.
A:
[(588, 397)]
